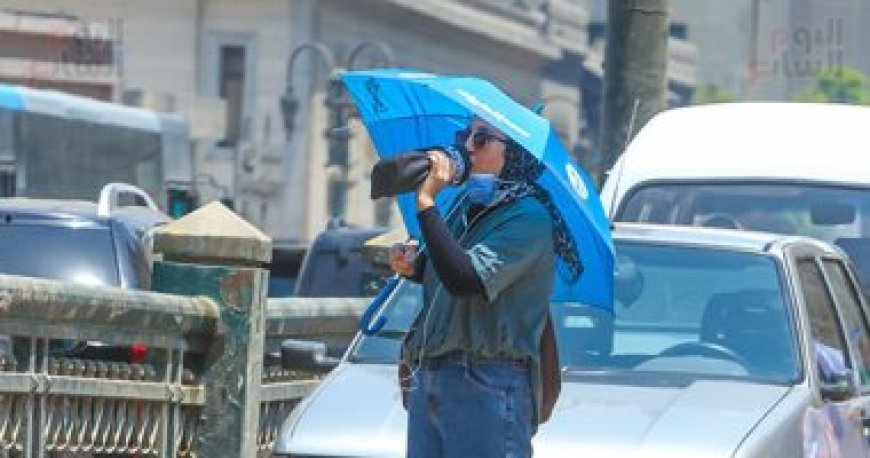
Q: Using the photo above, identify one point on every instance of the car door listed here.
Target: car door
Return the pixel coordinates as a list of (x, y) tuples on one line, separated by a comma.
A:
[(833, 425), (847, 296)]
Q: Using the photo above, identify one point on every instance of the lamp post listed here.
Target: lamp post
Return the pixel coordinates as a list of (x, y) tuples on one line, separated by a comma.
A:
[(289, 102), (382, 48), (340, 106), (339, 109), (298, 184), (338, 133)]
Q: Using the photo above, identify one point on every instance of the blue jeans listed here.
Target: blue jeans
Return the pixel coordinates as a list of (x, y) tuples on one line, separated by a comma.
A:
[(462, 408)]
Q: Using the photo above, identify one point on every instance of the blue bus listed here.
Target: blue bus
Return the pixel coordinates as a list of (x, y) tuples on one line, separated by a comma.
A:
[(58, 145)]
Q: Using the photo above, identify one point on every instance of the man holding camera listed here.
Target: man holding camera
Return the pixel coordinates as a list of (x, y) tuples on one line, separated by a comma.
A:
[(479, 368)]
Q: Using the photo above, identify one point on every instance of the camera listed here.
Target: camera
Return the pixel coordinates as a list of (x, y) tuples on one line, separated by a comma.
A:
[(405, 172)]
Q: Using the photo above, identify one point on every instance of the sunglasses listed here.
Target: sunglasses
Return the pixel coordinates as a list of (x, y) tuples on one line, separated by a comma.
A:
[(479, 138)]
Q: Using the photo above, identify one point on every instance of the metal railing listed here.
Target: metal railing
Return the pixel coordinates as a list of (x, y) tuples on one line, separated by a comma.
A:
[(330, 320), (51, 403)]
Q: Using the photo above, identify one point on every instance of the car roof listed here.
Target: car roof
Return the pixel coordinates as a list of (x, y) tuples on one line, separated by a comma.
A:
[(341, 236), (24, 205), (79, 210), (759, 242), (776, 140)]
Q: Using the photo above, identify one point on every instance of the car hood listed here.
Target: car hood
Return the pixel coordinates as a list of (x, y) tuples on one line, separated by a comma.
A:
[(705, 418), (357, 411)]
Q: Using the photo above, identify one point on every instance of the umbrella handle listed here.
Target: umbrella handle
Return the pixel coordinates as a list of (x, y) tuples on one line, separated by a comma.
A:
[(365, 323)]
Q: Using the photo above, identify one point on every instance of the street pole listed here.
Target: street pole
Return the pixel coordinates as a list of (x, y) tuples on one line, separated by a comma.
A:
[(634, 71), (295, 102), (338, 132)]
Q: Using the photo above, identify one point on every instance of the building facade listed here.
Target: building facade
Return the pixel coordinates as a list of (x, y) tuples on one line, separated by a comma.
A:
[(519, 45), (225, 65), (773, 49)]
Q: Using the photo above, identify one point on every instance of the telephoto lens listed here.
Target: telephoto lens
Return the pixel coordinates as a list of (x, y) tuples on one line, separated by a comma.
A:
[(405, 172)]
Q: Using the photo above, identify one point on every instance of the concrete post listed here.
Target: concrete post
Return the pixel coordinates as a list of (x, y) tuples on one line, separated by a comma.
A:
[(213, 252), (634, 71)]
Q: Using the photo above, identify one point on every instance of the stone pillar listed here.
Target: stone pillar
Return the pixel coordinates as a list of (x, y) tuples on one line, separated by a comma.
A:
[(213, 252)]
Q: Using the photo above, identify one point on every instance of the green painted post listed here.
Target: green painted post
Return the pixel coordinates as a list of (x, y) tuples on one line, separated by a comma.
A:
[(215, 253)]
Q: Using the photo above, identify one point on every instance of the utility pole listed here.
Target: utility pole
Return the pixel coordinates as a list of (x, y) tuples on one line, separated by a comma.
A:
[(635, 79)]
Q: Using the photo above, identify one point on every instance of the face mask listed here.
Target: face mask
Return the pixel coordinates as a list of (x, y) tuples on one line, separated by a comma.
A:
[(481, 188)]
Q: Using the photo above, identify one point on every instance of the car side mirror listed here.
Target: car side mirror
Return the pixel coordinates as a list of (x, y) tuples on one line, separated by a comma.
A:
[(839, 387), (304, 355)]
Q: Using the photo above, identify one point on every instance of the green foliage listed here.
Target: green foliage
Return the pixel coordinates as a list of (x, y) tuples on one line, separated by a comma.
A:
[(842, 85), (710, 93)]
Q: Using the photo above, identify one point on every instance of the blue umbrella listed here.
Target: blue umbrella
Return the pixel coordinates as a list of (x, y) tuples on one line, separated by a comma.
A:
[(404, 110)]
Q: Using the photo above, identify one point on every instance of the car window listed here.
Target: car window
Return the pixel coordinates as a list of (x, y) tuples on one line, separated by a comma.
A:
[(854, 321), (828, 341), (80, 255), (284, 269), (824, 212), (335, 266), (838, 215), (281, 286)]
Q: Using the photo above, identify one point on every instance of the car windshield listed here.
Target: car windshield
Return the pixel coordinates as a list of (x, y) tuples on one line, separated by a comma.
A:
[(838, 215), (679, 311), (686, 310), (80, 255)]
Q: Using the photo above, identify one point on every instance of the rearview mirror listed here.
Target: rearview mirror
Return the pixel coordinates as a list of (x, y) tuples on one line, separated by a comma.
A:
[(303, 355), (831, 213)]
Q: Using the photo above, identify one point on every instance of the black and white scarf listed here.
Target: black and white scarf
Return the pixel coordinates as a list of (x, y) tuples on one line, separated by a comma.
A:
[(519, 177)]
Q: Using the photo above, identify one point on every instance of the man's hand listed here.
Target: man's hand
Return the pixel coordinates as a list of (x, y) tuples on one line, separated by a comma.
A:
[(402, 257), (439, 176)]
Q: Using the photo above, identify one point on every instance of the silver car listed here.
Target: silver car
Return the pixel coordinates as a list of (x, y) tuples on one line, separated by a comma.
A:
[(722, 344)]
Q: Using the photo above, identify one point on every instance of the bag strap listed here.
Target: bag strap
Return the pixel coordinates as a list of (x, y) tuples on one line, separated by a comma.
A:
[(551, 374)]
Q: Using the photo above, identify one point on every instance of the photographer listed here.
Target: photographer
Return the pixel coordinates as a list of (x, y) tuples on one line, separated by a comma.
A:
[(472, 363)]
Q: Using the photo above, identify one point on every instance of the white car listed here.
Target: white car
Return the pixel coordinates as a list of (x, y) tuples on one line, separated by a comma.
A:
[(722, 344), (792, 168)]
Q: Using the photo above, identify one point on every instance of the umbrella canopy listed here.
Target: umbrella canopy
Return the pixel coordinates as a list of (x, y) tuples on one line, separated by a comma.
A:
[(404, 110)]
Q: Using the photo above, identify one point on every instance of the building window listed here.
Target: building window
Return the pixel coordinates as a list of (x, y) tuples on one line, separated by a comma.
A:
[(337, 198), (7, 183), (678, 30), (232, 89)]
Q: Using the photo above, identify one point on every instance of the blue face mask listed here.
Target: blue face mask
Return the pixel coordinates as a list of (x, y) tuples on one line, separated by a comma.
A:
[(481, 188)]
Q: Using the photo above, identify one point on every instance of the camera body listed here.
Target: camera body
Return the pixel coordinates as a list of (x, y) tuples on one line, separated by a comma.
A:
[(405, 172)]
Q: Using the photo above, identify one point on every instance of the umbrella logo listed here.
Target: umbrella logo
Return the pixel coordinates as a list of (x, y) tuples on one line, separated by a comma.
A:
[(576, 182), (477, 103), (374, 88)]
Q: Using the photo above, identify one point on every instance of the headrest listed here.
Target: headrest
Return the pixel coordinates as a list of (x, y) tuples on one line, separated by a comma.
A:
[(738, 312)]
